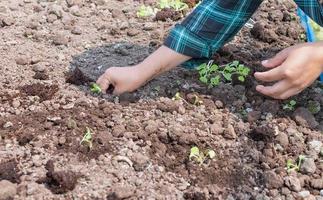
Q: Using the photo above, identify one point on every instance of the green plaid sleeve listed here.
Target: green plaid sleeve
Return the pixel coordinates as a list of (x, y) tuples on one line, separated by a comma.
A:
[(210, 26), (313, 8)]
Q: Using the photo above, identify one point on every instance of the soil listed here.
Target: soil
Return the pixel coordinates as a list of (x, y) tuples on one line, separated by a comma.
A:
[(141, 141)]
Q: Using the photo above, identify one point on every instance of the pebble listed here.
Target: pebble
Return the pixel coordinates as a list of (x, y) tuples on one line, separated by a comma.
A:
[(282, 139), (121, 192), (39, 67), (273, 181), (8, 190), (60, 39), (75, 10), (304, 194), (308, 166), (315, 145), (8, 125), (16, 103), (140, 161), (229, 132), (293, 183), (133, 32), (36, 159), (22, 60)]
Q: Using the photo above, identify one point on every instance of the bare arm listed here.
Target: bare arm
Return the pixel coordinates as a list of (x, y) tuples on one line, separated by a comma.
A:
[(127, 79)]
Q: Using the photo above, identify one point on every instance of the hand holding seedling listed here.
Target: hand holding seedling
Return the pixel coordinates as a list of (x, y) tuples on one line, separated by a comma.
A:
[(293, 69)]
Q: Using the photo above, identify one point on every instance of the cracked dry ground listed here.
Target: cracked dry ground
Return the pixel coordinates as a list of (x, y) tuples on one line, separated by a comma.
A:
[(142, 140)]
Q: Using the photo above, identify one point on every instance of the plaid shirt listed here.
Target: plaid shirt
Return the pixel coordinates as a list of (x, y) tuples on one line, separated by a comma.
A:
[(215, 22)]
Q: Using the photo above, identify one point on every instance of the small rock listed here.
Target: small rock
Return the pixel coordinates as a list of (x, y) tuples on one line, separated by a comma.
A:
[(305, 118), (37, 161), (133, 32), (68, 106), (229, 132), (8, 125), (293, 183), (76, 30), (282, 139), (23, 60), (56, 10), (39, 67), (8, 190), (75, 10), (304, 194), (253, 116), (316, 183), (140, 161), (16, 103), (151, 127), (60, 38), (308, 166), (315, 145), (273, 181)]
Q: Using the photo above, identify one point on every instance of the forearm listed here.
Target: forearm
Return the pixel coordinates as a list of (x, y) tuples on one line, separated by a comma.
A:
[(162, 60)]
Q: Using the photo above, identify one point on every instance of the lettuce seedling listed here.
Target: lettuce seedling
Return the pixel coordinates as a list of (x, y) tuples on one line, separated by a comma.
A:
[(146, 11), (199, 156), (314, 107), (290, 166), (177, 5), (290, 105), (95, 88), (87, 138), (211, 74)]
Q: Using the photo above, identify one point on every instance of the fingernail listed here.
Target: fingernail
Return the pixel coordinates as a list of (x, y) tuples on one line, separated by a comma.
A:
[(264, 62)]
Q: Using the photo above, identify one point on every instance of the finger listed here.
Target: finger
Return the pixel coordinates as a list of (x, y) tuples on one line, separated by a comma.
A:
[(274, 91), (104, 82), (290, 92), (275, 74), (277, 60)]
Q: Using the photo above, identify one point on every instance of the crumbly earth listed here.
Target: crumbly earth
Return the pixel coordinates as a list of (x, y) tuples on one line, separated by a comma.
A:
[(51, 50)]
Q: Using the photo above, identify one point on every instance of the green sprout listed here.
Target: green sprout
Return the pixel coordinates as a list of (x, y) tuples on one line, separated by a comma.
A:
[(199, 156), (211, 74), (177, 97), (290, 166), (146, 11), (87, 138), (177, 5), (95, 88), (197, 100), (314, 107), (290, 105)]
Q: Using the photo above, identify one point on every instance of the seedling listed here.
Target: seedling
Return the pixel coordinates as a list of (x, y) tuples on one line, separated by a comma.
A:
[(199, 156), (290, 166), (197, 100), (211, 74), (146, 11), (95, 88), (290, 105), (87, 138), (314, 107), (177, 5)]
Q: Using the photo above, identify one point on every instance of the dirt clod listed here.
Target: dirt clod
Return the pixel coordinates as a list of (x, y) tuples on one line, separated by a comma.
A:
[(9, 171)]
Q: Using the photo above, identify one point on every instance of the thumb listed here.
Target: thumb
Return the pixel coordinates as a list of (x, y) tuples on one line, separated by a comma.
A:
[(277, 60)]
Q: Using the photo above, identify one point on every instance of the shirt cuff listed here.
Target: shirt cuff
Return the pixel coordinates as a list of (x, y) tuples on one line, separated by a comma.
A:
[(185, 42)]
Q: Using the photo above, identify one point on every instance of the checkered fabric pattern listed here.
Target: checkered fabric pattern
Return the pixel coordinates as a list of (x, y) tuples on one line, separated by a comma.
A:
[(215, 22)]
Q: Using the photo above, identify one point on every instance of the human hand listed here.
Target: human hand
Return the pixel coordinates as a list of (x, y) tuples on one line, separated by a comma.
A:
[(293, 69), (123, 79)]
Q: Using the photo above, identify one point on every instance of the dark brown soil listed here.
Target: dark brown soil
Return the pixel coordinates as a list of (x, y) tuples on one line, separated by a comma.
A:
[(59, 182), (168, 13), (44, 92), (41, 76), (9, 171)]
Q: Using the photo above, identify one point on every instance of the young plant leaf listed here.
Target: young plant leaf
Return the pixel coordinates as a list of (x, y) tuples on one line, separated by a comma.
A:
[(95, 88)]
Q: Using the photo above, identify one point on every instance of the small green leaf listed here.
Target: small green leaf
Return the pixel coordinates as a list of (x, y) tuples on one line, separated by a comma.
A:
[(203, 79), (195, 152), (95, 88), (241, 78), (292, 102), (227, 76), (215, 81)]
